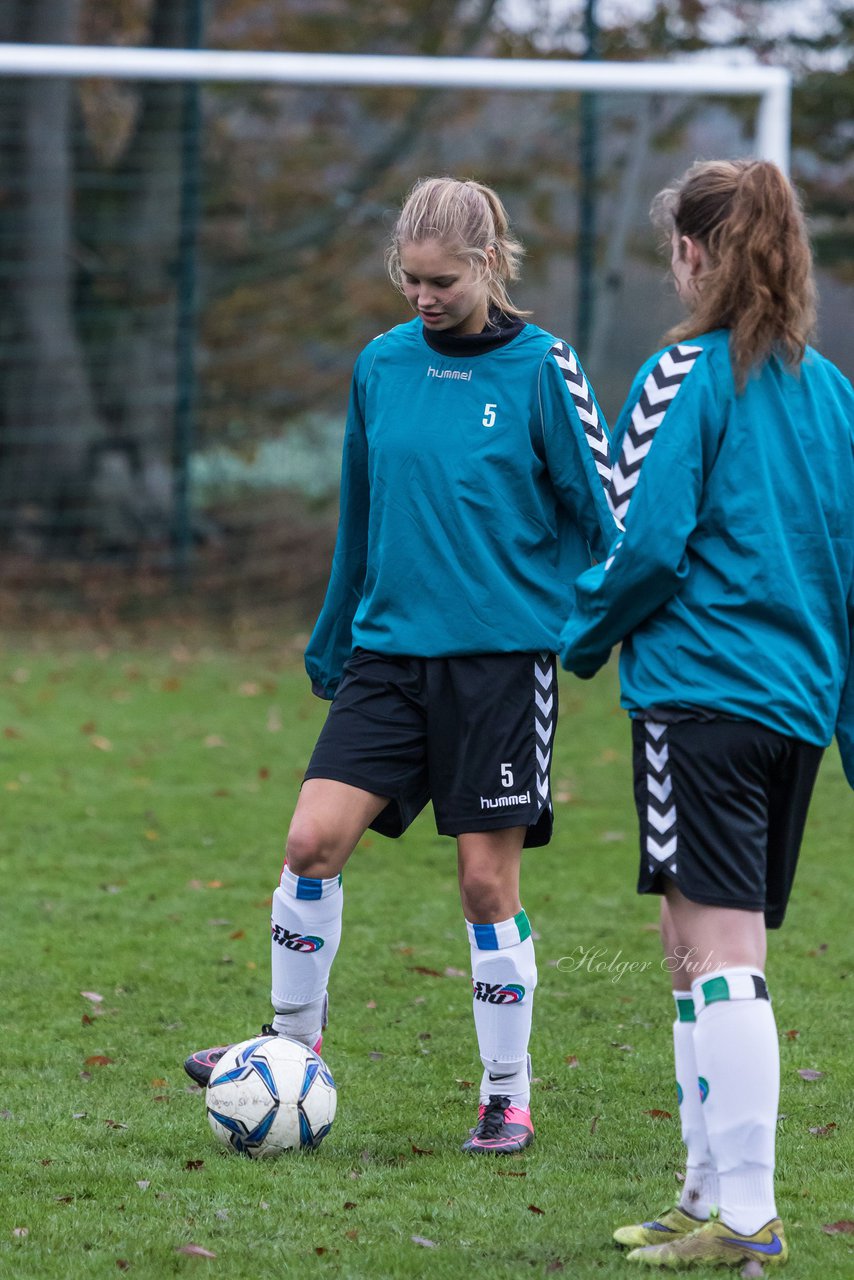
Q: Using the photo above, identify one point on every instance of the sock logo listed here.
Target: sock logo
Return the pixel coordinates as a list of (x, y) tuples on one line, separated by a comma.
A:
[(679, 1094), (305, 942), (704, 1088), (496, 993)]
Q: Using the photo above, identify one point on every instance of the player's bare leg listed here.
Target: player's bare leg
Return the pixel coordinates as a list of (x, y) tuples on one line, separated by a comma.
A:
[(329, 820)]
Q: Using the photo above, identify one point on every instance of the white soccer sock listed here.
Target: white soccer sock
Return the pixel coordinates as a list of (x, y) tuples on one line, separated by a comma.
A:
[(306, 931), (504, 975), (700, 1189), (735, 1042)]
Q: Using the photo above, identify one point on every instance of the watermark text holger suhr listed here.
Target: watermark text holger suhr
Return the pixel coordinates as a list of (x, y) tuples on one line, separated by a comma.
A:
[(597, 960)]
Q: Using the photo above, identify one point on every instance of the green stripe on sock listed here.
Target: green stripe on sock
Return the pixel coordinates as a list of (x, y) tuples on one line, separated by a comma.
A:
[(685, 1009), (523, 925), (715, 989)]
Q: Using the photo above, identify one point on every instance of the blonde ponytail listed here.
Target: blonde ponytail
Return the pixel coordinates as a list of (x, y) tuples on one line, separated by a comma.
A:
[(470, 219)]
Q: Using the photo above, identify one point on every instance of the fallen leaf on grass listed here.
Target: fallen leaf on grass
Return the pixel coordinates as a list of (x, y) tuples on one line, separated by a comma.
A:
[(792, 1035), (352, 1234), (10, 732), (100, 743), (349, 1204), (114, 1124), (624, 1048), (554, 1265), (424, 1242), (807, 1073), (845, 1227), (535, 1208), (194, 1251), (20, 1233), (430, 973), (819, 950), (192, 1165), (820, 1130), (464, 1084), (420, 1151), (64, 1199), (98, 1060), (593, 1124), (93, 996), (659, 1115), (122, 1264), (512, 1173), (571, 1060)]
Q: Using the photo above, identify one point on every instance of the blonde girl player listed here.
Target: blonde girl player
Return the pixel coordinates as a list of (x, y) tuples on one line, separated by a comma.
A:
[(732, 589), (474, 489)]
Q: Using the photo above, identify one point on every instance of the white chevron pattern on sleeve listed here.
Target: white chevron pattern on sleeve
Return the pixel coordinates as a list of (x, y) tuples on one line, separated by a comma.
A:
[(656, 397), (585, 407)]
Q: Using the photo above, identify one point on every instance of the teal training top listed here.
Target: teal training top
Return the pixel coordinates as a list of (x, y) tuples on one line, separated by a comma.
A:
[(732, 586), (473, 490)]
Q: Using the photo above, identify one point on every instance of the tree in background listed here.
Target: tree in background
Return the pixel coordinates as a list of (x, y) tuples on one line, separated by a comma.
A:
[(298, 186)]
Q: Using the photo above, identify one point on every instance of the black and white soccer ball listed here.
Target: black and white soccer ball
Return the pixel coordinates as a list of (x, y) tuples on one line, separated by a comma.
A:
[(270, 1095)]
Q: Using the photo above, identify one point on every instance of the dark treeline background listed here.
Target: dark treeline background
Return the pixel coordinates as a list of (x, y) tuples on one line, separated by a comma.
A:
[(189, 271)]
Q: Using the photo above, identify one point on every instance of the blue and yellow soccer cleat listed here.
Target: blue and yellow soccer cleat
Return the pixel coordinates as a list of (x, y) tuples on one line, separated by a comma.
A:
[(714, 1244), (668, 1226)]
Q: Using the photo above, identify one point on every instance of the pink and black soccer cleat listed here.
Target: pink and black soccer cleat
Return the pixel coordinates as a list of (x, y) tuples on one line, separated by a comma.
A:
[(501, 1129), (199, 1066)]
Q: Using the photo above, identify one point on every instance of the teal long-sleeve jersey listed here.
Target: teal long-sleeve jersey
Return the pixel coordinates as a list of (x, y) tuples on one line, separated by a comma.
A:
[(732, 587), (473, 492)]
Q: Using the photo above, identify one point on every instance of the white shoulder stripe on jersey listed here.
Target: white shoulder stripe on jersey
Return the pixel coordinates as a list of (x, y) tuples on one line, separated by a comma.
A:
[(585, 407), (657, 394)]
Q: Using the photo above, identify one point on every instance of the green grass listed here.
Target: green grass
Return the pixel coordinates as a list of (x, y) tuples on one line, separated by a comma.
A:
[(145, 798)]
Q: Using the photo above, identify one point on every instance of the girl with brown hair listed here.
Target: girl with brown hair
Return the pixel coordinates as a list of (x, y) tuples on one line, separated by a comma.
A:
[(732, 590)]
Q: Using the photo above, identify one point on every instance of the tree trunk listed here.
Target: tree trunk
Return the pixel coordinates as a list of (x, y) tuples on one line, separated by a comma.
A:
[(49, 419)]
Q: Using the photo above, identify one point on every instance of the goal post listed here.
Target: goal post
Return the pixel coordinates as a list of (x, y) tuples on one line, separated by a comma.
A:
[(770, 85)]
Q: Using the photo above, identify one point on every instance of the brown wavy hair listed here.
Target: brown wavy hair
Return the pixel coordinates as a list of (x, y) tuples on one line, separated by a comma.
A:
[(469, 217), (759, 283)]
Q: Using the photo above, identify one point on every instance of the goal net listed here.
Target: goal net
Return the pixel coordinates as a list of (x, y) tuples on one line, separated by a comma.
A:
[(192, 253)]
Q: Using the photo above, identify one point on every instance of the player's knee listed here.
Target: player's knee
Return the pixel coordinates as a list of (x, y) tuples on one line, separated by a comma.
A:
[(485, 897), (309, 851)]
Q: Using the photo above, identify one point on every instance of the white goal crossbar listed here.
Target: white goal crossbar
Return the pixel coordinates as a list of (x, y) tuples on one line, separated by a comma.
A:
[(771, 85)]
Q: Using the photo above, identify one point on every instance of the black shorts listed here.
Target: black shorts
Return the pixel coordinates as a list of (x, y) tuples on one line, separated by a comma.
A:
[(473, 733), (722, 806)]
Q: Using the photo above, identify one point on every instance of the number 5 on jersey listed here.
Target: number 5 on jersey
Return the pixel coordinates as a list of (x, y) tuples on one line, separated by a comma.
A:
[(489, 415)]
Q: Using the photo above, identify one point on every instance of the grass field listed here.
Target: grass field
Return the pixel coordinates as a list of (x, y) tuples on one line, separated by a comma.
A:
[(145, 796)]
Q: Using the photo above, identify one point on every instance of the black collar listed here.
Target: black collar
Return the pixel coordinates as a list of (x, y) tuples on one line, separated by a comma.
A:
[(497, 332)]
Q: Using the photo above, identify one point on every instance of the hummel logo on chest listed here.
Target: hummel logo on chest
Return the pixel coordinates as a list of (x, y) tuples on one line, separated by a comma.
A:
[(456, 375)]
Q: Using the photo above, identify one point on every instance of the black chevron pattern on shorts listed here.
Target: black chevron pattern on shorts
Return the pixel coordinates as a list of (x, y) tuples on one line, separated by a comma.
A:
[(545, 715), (585, 407), (656, 396), (660, 802)]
